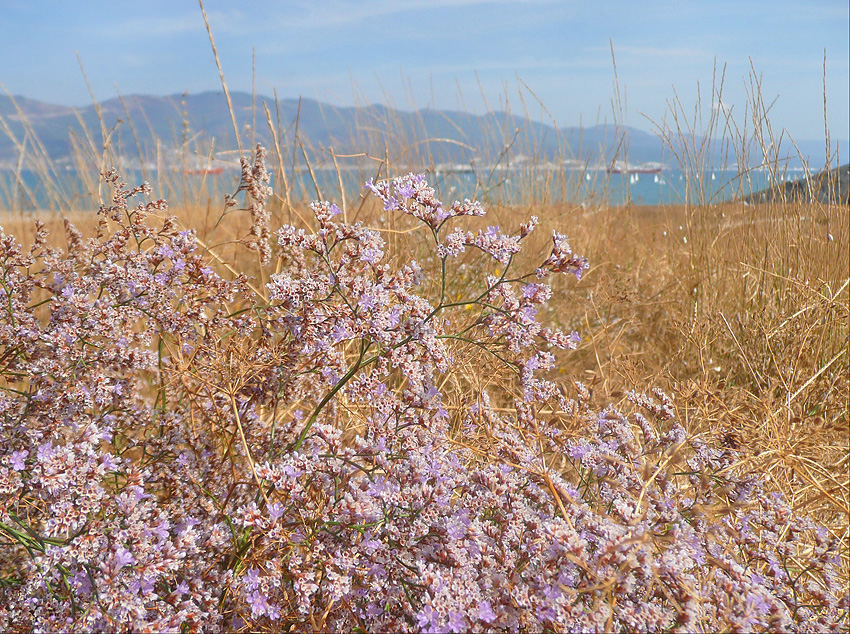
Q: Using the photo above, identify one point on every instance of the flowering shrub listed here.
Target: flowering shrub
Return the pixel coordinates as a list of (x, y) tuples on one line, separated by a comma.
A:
[(185, 451)]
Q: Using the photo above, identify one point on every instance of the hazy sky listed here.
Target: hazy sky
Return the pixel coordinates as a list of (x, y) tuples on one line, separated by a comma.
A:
[(445, 53)]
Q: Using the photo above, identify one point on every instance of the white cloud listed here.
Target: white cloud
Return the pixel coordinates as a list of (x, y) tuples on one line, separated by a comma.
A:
[(148, 25), (626, 51), (336, 13)]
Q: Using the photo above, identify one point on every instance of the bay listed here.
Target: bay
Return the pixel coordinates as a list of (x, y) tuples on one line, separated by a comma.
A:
[(68, 190)]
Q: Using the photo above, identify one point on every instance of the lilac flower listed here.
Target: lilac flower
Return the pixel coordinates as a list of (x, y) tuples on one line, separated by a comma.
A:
[(530, 290), (580, 450), (330, 375), (370, 543), (260, 606), (292, 471), (82, 582), (546, 613), (123, 557), (394, 316), (251, 579), (367, 302), (186, 524), (456, 531), (45, 452), (109, 462), (165, 251), (457, 622), (16, 460), (392, 204), (375, 189), (406, 190), (428, 619), (276, 511), (567, 578), (372, 255), (485, 612), (527, 314), (160, 531), (339, 332)]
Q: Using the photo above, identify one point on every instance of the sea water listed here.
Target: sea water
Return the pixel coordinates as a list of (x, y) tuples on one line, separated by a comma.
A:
[(671, 186)]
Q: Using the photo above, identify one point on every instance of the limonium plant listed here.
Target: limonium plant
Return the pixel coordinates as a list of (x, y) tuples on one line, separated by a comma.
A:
[(189, 450)]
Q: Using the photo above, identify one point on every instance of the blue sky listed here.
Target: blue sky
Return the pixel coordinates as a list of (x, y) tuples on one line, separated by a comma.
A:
[(445, 54)]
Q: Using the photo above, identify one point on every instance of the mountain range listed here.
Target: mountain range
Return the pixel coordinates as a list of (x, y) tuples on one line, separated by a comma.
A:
[(155, 128)]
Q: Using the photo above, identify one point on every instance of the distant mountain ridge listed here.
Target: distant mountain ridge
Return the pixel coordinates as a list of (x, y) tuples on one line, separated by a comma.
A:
[(156, 126)]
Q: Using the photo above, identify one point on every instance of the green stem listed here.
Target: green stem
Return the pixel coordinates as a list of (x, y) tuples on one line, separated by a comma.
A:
[(340, 384)]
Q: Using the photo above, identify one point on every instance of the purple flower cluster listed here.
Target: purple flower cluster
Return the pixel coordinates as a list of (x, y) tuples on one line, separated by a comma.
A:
[(412, 195), (184, 451)]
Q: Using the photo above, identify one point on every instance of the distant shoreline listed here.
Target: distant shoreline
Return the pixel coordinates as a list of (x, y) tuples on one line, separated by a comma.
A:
[(826, 187)]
